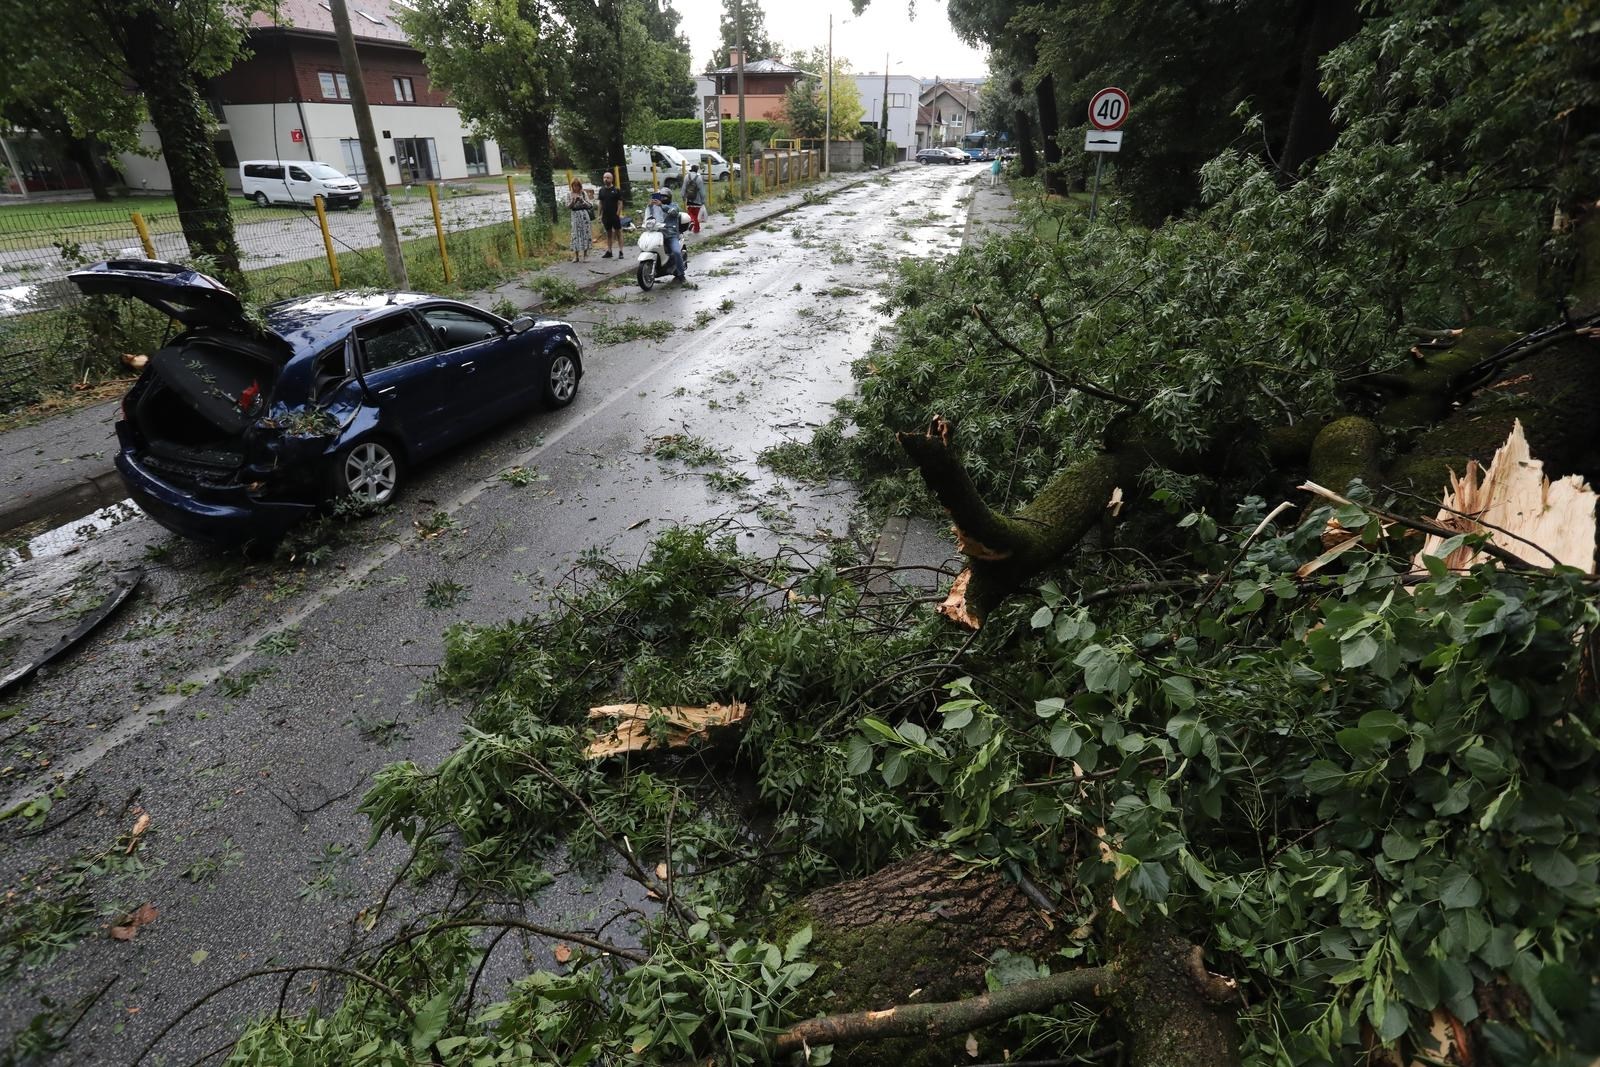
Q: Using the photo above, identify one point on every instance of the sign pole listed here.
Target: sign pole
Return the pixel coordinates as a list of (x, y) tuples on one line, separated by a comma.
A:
[(1094, 197)]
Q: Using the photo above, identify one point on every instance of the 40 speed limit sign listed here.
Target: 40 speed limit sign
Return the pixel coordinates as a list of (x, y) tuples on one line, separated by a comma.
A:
[(1108, 109)]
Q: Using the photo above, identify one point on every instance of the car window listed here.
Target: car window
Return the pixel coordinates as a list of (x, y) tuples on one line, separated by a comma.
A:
[(327, 373), (299, 175), (456, 326), (392, 341), (323, 171)]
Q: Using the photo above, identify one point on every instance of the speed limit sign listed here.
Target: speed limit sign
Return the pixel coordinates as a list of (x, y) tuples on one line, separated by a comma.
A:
[(1108, 109)]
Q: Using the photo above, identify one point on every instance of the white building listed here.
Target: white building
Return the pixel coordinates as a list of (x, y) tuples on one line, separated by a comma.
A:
[(903, 91)]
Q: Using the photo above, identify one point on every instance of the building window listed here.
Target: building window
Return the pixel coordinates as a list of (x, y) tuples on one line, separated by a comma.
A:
[(404, 91), (477, 159), (899, 100), (334, 85)]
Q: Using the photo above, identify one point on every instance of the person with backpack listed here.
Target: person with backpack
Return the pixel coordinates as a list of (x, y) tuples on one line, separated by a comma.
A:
[(694, 197)]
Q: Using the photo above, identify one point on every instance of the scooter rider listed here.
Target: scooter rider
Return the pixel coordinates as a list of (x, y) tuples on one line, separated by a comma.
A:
[(662, 210)]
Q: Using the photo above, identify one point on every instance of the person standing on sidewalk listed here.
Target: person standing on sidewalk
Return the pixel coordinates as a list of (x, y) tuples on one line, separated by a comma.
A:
[(994, 171), (611, 213), (694, 197), (582, 220)]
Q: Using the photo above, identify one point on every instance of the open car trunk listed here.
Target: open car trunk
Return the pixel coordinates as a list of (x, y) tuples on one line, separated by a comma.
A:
[(200, 400)]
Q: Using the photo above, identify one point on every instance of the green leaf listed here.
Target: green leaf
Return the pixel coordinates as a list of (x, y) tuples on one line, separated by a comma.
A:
[(955, 720), (1458, 888), (1041, 618), (1552, 867), (1065, 741), (430, 1021), (1049, 707), (881, 728), (1565, 989), (858, 755), (1508, 698), (1358, 652), (797, 944), (1178, 690), (894, 769), (1324, 776), (1397, 846)]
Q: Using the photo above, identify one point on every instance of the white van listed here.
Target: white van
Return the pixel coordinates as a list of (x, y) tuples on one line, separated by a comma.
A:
[(296, 181), (712, 163), (669, 164)]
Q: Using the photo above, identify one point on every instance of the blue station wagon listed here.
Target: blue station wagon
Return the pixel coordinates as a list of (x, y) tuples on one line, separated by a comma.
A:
[(241, 425)]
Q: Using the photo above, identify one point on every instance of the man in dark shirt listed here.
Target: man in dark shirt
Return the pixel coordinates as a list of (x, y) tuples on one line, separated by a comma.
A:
[(611, 213)]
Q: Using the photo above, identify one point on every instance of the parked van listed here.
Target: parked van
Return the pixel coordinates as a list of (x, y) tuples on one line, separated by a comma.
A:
[(296, 181), (712, 163), (669, 163)]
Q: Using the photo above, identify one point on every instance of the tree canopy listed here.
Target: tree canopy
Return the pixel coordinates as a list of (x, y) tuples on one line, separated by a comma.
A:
[(757, 45), (805, 105)]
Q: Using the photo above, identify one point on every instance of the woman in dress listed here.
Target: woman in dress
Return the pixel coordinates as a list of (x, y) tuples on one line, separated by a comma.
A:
[(582, 220)]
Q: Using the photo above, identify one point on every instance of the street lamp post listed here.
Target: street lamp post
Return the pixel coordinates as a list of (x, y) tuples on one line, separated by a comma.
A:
[(883, 130), (827, 116)]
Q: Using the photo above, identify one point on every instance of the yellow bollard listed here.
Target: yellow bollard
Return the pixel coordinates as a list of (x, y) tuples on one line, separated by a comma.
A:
[(144, 235), (438, 228), (569, 177), (655, 177), (616, 176), (516, 227), (327, 240)]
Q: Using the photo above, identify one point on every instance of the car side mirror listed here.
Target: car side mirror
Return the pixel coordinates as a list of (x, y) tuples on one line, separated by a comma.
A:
[(521, 324)]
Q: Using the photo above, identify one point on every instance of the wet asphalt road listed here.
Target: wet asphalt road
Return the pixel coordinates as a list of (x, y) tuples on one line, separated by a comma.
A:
[(245, 706)]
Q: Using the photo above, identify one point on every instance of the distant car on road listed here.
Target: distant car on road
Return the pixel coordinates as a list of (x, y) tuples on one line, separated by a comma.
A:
[(940, 155), (237, 428), (712, 163)]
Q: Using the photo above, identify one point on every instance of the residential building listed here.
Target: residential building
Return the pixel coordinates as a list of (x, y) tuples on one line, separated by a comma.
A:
[(953, 111), (766, 82), (290, 99), (903, 90)]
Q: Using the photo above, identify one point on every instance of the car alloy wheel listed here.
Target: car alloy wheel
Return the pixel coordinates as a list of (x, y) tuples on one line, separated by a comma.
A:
[(561, 382), (370, 473)]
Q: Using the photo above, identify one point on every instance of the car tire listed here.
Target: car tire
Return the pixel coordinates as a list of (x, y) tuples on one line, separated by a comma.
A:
[(370, 472), (261, 198), (647, 276), (561, 378)]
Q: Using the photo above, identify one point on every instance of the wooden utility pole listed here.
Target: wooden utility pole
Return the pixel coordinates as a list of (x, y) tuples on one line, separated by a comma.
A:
[(377, 187), (827, 119), (744, 145)]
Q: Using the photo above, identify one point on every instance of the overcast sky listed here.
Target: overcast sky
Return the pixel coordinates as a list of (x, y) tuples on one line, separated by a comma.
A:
[(924, 46)]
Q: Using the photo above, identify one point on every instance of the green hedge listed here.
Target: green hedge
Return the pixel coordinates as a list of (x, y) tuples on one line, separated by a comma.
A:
[(685, 133)]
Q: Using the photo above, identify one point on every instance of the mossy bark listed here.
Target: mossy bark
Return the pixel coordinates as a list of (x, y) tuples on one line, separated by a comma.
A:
[(1553, 392), (1172, 1012), (1344, 450), (1006, 550)]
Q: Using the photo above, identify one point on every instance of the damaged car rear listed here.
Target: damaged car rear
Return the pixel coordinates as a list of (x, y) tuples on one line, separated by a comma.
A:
[(243, 424)]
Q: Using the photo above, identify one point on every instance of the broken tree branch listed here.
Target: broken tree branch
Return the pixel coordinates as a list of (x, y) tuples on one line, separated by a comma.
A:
[(1044, 368)]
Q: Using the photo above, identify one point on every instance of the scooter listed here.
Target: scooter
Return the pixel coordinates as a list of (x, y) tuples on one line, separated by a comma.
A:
[(654, 262)]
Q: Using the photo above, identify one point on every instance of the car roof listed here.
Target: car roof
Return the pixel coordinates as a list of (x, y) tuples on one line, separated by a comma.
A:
[(311, 323)]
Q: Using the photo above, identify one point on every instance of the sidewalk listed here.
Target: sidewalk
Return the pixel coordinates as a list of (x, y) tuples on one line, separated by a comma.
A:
[(61, 467)]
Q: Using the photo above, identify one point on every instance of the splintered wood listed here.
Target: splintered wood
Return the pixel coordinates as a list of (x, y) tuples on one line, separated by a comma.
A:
[(679, 726), (1521, 510)]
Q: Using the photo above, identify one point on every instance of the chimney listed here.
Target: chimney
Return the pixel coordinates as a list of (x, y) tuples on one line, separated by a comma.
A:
[(735, 57)]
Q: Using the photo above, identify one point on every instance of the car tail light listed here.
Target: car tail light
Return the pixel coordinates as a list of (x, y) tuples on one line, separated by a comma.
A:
[(247, 398)]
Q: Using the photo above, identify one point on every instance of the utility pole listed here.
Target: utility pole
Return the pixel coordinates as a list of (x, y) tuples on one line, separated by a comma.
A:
[(827, 119), (382, 206), (883, 130), (744, 145)]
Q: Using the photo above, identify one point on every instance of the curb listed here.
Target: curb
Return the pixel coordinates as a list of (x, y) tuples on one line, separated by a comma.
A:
[(82, 495), (67, 500)]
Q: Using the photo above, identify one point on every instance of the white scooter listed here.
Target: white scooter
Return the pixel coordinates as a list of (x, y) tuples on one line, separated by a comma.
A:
[(654, 261)]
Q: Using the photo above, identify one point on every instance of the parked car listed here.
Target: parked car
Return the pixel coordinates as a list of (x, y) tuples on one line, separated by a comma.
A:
[(936, 155), (661, 164), (712, 163), (296, 181), (237, 428)]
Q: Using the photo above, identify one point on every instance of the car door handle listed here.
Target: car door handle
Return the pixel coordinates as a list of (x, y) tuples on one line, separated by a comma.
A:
[(386, 392), (470, 365)]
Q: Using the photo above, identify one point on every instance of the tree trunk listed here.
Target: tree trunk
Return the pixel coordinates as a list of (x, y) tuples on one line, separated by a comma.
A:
[(179, 116), (1005, 551), (81, 151), (902, 955), (1049, 130), (1311, 129), (1027, 157), (536, 143)]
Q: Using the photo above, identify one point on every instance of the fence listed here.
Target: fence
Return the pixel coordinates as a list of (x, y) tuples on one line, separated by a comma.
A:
[(454, 238), (51, 336)]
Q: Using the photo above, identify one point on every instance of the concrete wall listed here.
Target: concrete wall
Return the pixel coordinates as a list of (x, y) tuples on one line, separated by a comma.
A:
[(846, 155)]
